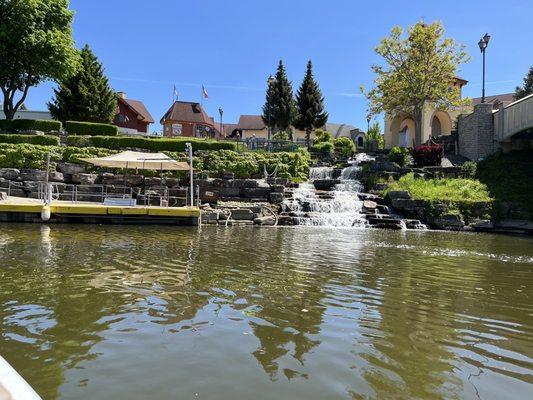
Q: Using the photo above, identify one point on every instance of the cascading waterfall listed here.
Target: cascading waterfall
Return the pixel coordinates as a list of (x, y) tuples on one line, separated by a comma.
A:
[(340, 207)]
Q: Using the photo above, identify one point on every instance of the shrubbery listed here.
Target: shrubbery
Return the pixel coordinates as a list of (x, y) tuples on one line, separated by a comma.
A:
[(28, 155), (399, 155), (31, 139), (294, 166), (153, 144), (344, 146), (428, 156), (90, 128), (17, 125), (324, 145)]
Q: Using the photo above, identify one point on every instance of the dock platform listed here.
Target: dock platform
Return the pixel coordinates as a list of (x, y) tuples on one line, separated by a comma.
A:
[(18, 209)]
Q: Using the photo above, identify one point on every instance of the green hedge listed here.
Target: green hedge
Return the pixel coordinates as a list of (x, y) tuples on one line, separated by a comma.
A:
[(47, 140), (90, 128), (294, 165), (42, 125), (153, 144), (25, 155)]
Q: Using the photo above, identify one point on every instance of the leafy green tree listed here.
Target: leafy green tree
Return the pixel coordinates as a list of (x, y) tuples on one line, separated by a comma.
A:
[(86, 96), (280, 104), (35, 45), (322, 136), (374, 135), (527, 89), (419, 72), (310, 105)]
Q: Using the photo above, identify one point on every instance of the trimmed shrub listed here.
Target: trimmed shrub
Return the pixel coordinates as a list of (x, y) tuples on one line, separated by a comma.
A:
[(153, 144), (428, 156), (399, 155), (17, 125), (25, 155), (344, 146), (90, 128), (323, 148), (31, 139), (468, 170)]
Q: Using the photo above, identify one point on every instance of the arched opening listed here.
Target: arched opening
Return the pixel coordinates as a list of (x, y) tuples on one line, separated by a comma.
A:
[(360, 142), (436, 128), (406, 133), (441, 124)]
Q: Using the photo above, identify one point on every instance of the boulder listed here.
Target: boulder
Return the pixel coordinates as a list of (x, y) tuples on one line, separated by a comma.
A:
[(276, 198), (32, 175), (84, 179), (407, 204), (241, 214), (385, 166), (277, 188), (254, 193), (56, 177), (209, 216), (398, 194), (325, 184), (228, 175), (70, 168), (268, 220), (226, 192), (11, 174), (210, 196), (449, 222), (370, 205), (3, 196), (482, 225), (152, 181), (172, 182)]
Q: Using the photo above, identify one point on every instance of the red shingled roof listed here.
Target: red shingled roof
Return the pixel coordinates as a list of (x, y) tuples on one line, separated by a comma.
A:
[(187, 111), (139, 108), (251, 122)]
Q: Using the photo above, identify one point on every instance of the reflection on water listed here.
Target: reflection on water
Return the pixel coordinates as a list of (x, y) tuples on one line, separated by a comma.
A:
[(162, 312)]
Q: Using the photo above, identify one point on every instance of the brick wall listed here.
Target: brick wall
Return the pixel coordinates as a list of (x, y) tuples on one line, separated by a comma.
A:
[(476, 133)]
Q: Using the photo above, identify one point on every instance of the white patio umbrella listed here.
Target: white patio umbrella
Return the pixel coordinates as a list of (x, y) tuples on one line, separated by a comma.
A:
[(139, 160)]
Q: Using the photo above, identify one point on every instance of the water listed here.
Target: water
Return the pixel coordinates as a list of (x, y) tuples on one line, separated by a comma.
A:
[(339, 208), (97, 312)]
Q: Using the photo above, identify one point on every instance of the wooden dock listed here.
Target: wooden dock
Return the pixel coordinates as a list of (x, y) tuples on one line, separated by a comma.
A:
[(17, 209)]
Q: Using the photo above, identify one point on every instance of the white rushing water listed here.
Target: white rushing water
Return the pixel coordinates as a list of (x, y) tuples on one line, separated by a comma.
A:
[(340, 207)]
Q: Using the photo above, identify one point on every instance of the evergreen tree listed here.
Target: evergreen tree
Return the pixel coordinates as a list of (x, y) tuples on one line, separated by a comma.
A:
[(280, 102), (310, 105), (86, 96), (527, 89)]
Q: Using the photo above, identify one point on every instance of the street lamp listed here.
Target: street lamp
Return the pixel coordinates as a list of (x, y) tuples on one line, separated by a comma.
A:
[(483, 43), (221, 111), (270, 82), (368, 119)]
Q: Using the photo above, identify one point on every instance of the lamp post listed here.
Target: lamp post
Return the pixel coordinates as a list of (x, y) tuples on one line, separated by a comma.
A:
[(368, 118), (483, 43), (270, 81), (221, 111)]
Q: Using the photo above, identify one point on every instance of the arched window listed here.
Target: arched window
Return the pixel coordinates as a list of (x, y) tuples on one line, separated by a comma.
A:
[(436, 128), (360, 141)]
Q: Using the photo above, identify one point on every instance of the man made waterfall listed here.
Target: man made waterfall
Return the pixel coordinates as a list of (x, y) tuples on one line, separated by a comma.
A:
[(340, 207)]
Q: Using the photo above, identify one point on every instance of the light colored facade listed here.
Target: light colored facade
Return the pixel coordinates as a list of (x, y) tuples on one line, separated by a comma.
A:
[(28, 114), (400, 129)]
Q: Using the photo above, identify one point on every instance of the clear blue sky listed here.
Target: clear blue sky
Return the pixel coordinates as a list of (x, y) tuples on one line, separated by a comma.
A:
[(232, 46)]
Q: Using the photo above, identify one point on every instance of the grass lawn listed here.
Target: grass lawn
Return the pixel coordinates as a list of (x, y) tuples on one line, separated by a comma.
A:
[(443, 190)]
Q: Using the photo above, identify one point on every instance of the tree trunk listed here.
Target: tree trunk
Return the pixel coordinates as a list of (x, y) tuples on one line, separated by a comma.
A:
[(308, 138), (9, 98), (417, 114)]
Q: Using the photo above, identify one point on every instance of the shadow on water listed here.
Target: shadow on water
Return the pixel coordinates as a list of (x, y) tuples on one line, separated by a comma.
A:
[(159, 312)]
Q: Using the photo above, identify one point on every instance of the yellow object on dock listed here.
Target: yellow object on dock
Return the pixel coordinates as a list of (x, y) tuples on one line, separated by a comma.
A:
[(63, 211)]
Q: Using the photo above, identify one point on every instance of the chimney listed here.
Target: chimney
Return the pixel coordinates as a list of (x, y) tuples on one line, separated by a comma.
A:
[(122, 95)]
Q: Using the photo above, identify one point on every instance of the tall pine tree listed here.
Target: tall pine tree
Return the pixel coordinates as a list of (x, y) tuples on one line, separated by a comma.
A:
[(310, 105), (86, 96), (280, 102), (527, 89)]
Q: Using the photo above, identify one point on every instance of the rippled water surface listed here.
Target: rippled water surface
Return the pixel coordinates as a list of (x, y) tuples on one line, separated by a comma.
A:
[(92, 312)]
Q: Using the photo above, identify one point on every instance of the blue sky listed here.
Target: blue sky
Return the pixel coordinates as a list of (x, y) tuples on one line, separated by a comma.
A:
[(232, 46)]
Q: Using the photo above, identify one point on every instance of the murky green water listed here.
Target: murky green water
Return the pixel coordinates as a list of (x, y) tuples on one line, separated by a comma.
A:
[(90, 312)]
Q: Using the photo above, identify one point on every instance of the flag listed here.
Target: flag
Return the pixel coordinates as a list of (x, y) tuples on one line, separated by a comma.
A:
[(204, 93), (175, 93)]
